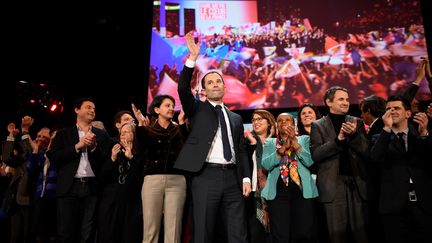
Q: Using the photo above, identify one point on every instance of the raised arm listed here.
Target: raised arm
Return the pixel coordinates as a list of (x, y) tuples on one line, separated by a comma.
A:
[(184, 87)]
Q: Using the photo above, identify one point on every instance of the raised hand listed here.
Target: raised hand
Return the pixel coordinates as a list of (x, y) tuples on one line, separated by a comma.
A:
[(349, 128), (193, 47), (291, 133), (127, 145), (428, 70), (142, 120), (34, 145), (90, 139), (387, 119), (86, 141), (181, 117), (115, 151), (422, 120), (26, 123), (420, 71), (250, 137), (429, 110), (13, 131)]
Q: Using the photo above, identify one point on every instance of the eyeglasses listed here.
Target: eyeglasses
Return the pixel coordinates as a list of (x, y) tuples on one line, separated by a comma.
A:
[(258, 119)]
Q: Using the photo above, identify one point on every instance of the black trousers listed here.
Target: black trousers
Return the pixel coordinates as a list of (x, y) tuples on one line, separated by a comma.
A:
[(412, 225), (256, 231), (216, 190), (21, 224), (292, 217), (76, 213)]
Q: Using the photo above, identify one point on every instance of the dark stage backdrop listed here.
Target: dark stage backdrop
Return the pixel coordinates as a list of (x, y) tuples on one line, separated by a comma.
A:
[(279, 54), (78, 49)]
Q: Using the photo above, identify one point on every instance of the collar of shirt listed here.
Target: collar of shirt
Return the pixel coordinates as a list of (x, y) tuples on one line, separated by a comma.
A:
[(404, 131), (214, 104)]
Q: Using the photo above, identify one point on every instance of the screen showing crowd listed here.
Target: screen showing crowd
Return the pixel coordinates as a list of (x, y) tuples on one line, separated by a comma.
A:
[(280, 54)]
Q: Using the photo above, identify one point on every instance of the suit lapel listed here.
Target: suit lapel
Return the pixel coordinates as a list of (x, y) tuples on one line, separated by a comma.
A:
[(75, 135), (230, 120)]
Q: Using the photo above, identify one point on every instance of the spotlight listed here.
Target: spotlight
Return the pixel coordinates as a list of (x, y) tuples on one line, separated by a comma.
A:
[(53, 107)]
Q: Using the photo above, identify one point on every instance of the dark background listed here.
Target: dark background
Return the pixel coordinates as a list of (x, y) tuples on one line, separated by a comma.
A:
[(81, 48)]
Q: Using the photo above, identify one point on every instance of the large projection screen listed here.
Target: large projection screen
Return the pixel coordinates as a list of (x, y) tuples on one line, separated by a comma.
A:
[(282, 53)]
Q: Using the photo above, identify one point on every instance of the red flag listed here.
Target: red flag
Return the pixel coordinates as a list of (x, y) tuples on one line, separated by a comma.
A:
[(329, 43), (169, 86), (307, 24)]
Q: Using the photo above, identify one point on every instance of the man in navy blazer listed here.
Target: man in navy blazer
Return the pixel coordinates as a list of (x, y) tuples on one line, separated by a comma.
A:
[(219, 181), (402, 155), (78, 152)]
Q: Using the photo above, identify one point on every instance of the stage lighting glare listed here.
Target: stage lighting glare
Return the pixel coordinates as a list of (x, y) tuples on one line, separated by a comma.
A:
[(53, 107)]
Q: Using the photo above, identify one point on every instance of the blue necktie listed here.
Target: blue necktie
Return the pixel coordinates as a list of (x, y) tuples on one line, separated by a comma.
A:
[(225, 140)]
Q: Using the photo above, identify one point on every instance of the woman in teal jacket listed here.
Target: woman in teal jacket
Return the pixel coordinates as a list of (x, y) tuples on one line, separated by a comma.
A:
[(290, 188)]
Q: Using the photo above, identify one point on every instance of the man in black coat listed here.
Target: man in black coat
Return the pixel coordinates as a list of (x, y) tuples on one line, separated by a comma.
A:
[(78, 152), (402, 153), (215, 151)]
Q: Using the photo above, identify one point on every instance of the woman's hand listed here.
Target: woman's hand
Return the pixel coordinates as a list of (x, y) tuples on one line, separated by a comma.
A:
[(127, 145), (250, 137), (114, 152)]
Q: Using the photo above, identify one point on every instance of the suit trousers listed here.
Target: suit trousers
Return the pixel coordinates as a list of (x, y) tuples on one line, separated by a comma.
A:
[(347, 210), (217, 190), (413, 224), (76, 213), (163, 194)]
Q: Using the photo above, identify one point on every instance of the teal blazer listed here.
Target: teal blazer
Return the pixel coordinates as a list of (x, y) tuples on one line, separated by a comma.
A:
[(270, 162)]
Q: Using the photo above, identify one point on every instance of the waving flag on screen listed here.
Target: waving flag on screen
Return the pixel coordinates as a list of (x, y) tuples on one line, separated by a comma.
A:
[(269, 50), (289, 69), (337, 50), (307, 24), (169, 86), (237, 93), (329, 43)]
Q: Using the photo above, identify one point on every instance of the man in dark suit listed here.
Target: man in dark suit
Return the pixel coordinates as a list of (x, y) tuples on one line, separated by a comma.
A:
[(403, 155), (78, 152), (215, 151), (338, 146), (372, 108)]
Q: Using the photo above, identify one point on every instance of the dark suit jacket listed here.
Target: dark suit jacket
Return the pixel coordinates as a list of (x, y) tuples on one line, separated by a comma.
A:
[(64, 156), (376, 128), (398, 165), (204, 124), (326, 153), (24, 193)]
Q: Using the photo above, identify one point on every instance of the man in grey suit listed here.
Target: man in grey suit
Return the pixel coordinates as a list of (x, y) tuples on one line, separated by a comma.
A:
[(339, 146), (215, 152)]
